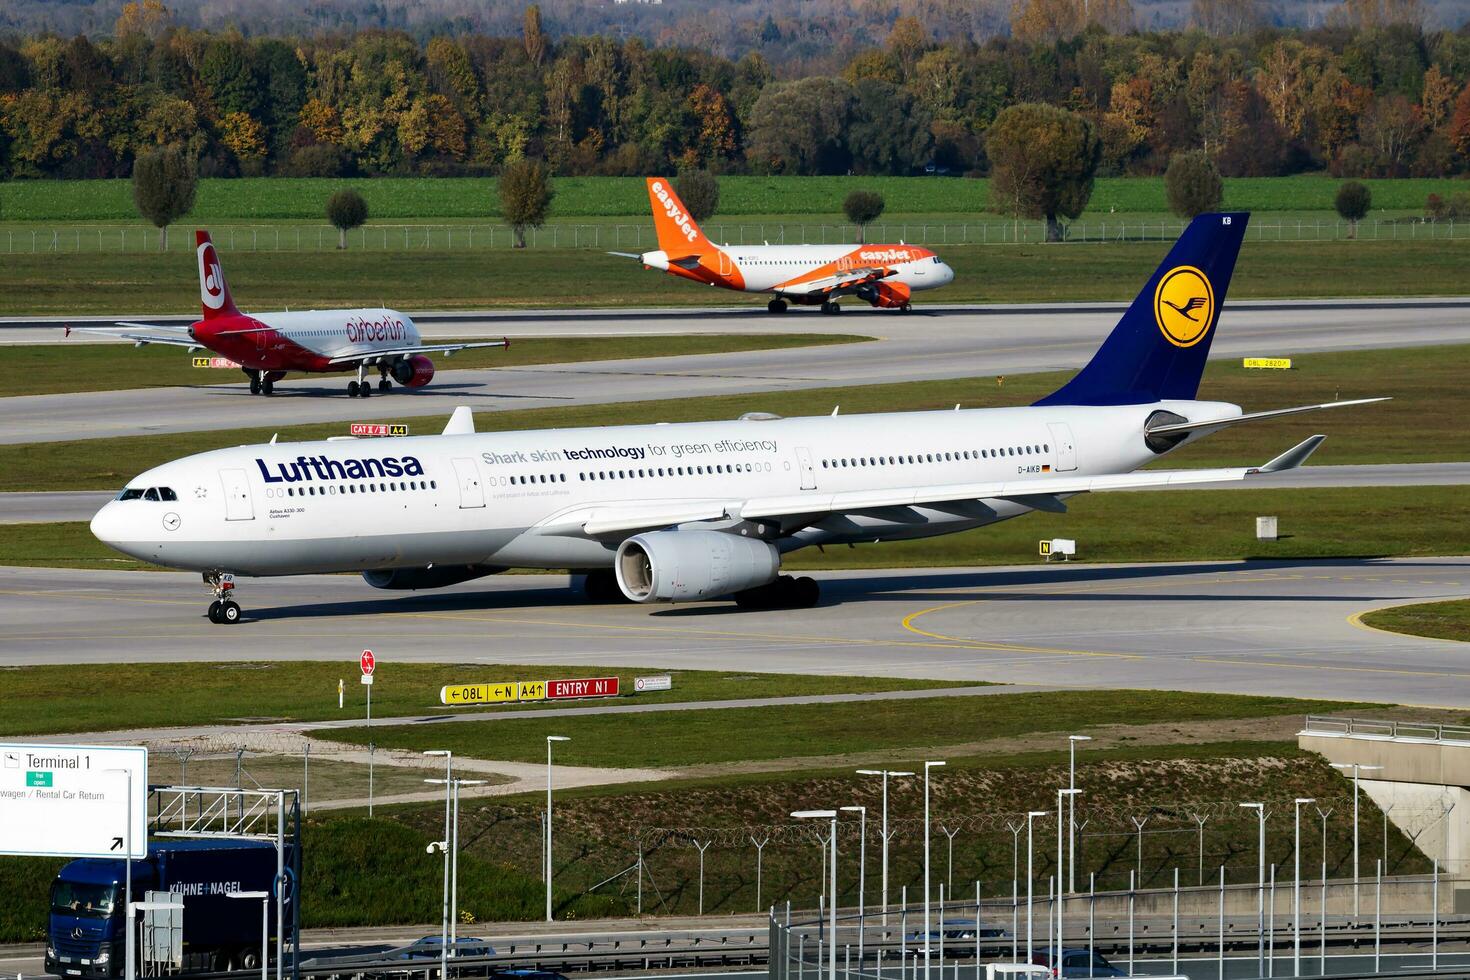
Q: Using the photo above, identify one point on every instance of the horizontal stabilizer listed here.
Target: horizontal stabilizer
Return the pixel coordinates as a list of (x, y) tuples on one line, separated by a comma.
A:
[(1212, 425), (626, 255), (1293, 457)]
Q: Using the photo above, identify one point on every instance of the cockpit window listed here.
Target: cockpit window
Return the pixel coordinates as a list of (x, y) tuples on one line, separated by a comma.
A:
[(167, 493), (152, 494), (130, 493)]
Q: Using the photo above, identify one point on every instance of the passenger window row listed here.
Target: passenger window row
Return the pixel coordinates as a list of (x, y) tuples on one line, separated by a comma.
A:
[(333, 489), (667, 471), (949, 457)]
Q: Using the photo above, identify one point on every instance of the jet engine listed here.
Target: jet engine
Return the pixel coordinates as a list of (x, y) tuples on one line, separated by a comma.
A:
[(888, 295), (413, 372), (429, 577), (685, 566)]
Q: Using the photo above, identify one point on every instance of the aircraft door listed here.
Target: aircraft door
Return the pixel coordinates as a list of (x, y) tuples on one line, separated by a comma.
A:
[(238, 505), (725, 266), (808, 472), (471, 492), (1066, 449)]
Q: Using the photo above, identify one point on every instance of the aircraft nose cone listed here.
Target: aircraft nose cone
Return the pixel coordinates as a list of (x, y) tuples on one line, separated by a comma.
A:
[(107, 524)]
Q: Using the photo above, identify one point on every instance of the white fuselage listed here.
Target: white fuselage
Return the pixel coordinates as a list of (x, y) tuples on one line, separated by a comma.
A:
[(507, 499), (313, 335)]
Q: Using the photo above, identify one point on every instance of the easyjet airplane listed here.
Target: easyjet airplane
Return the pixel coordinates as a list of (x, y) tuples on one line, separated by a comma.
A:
[(810, 275), (699, 510), (268, 345)]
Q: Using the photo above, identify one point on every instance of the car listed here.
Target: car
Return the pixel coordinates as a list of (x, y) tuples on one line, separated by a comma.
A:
[(1075, 963), (959, 937), (526, 974), (430, 948)]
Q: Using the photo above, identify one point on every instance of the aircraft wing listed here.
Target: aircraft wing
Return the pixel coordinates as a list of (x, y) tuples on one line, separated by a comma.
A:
[(1039, 493), (395, 353), (847, 279), (173, 336)]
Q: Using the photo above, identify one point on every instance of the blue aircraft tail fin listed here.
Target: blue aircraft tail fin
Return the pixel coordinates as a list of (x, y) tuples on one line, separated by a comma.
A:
[(1158, 349)]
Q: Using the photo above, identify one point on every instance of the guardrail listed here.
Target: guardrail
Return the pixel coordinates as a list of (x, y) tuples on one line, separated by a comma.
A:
[(288, 236), (1381, 728)]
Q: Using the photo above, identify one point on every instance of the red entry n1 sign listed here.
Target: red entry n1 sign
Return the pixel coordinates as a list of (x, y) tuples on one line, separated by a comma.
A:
[(589, 687)]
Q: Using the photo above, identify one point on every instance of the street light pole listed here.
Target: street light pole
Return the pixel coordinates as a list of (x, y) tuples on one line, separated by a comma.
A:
[(1071, 794), (448, 835), (1356, 768), (862, 813), (1260, 809), (885, 773), (451, 788), (1072, 741), (1296, 892), (442, 846), (265, 905), (549, 740), (832, 905), (1030, 816), (128, 952), (927, 767)]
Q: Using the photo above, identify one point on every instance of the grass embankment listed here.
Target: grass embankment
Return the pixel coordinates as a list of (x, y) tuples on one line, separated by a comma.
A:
[(411, 280), (468, 197), (1425, 383), (42, 369), (1338, 522), (1439, 620), (734, 735), (47, 700)]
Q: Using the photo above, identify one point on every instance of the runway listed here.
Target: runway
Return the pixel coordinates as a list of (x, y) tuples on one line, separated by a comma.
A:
[(938, 344), (1266, 628), (80, 505)]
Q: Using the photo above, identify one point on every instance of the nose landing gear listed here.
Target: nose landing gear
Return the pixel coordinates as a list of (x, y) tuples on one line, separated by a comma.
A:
[(224, 610), (359, 388)]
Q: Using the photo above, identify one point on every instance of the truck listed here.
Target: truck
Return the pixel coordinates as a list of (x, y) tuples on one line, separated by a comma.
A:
[(87, 930)]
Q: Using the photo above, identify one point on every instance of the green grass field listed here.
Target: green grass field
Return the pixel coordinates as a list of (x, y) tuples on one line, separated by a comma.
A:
[(38, 369), (1430, 400), (138, 284), (1440, 620), (47, 700), (453, 197), (671, 740)]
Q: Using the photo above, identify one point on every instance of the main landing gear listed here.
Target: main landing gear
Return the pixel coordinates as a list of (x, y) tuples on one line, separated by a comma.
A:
[(224, 610), (359, 388), (260, 381), (787, 592), (777, 306), (383, 383), (830, 307)]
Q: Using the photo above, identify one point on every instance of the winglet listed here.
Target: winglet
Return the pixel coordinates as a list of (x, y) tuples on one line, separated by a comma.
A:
[(461, 423), (1293, 457)]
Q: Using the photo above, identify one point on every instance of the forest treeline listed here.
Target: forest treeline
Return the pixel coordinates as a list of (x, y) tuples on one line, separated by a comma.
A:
[(1371, 94)]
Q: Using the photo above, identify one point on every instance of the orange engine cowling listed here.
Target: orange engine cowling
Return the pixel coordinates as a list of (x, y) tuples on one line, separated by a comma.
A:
[(892, 295), (415, 372)]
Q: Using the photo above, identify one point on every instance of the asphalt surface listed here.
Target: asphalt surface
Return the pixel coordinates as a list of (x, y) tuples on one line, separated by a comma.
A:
[(937, 343), (1268, 628), (80, 505)]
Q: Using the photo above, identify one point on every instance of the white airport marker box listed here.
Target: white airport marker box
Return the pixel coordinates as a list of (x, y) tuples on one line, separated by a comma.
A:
[(1266, 528), (73, 800)]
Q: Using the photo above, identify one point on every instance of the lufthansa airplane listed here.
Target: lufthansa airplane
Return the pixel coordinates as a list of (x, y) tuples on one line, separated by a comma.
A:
[(268, 345), (697, 511), (886, 276)]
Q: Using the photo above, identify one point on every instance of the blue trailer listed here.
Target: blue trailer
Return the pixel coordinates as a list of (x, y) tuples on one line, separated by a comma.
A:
[(87, 929)]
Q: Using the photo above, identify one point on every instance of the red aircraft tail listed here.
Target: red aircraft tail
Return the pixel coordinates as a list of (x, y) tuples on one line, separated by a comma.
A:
[(214, 292)]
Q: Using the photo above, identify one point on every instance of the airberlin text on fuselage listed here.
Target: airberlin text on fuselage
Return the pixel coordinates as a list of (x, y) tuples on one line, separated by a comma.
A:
[(675, 213), (322, 468), (360, 330)]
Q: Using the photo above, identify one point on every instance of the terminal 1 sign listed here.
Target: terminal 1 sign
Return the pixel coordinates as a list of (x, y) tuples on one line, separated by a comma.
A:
[(509, 692), (73, 800)]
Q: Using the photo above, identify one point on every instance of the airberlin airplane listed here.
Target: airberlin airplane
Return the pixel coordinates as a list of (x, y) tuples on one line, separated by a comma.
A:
[(268, 345), (885, 276), (699, 511)]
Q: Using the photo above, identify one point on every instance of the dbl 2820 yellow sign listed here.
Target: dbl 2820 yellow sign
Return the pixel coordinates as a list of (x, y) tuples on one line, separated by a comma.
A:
[(1272, 363)]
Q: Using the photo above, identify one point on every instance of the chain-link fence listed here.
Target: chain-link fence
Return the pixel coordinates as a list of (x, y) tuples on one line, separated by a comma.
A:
[(639, 236)]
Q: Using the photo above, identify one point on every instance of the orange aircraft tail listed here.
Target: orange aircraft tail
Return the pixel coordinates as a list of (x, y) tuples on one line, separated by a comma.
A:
[(678, 234)]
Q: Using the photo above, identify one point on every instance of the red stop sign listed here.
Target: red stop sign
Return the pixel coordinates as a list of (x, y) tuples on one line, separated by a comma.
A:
[(366, 661)]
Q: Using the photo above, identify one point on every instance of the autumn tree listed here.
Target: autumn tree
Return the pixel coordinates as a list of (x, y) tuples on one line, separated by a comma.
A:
[(533, 36), (801, 127), (1193, 184), (862, 209), (1460, 124), (346, 210), (1050, 21), (525, 196), (1352, 203), (164, 182), (1226, 18), (149, 18), (700, 192), (1042, 163), (1437, 98)]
